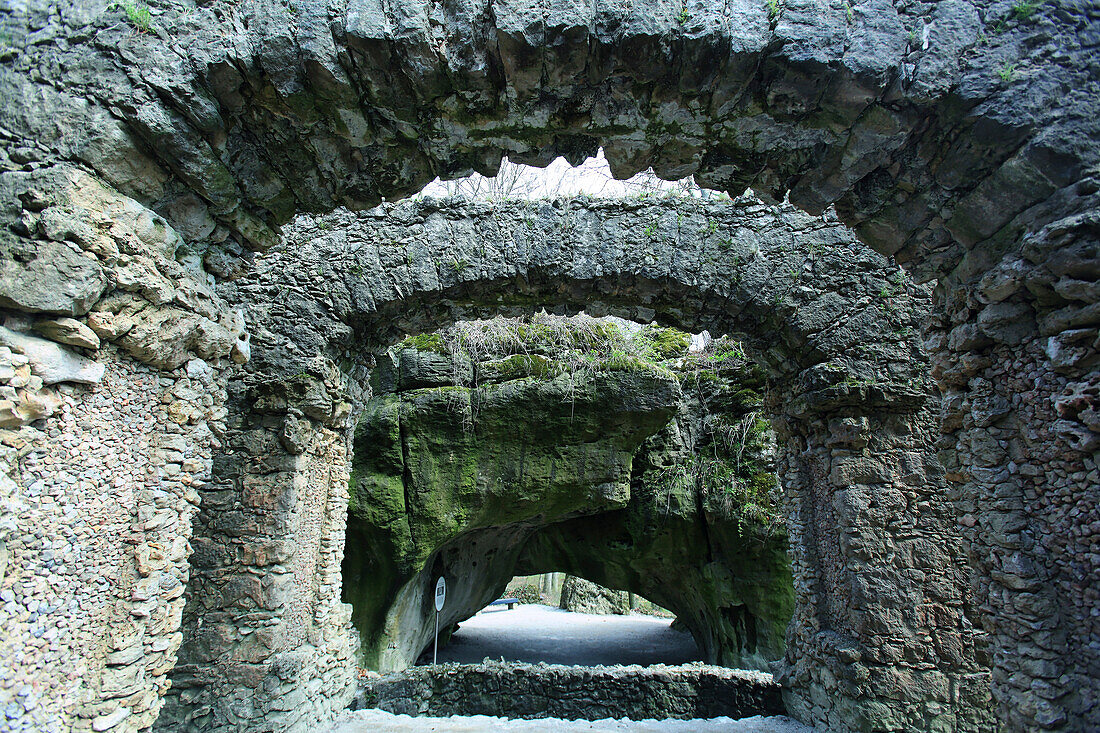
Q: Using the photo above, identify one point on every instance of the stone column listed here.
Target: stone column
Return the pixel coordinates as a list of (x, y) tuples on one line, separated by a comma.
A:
[(881, 638), (268, 644), (1016, 358)]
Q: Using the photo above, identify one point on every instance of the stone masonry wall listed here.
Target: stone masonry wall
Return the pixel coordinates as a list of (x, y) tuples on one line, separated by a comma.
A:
[(868, 507), (268, 643), (1016, 356), (837, 324), (770, 273), (97, 507), (572, 693)]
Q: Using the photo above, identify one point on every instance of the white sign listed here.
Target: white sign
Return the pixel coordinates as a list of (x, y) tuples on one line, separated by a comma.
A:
[(440, 593)]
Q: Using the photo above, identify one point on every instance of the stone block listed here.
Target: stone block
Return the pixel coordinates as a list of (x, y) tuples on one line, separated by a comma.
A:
[(51, 362), (48, 277), (68, 331), (109, 720), (1007, 322)]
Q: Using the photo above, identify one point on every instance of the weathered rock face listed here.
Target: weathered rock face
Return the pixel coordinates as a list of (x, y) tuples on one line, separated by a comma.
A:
[(521, 459), (957, 135), (537, 470), (583, 596), (49, 277), (874, 532), (930, 126)]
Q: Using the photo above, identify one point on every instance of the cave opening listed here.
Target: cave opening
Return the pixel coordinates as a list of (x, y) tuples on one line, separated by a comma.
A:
[(558, 618), (632, 455)]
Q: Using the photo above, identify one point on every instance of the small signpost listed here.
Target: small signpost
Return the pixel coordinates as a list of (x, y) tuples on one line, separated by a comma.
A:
[(440, 598)]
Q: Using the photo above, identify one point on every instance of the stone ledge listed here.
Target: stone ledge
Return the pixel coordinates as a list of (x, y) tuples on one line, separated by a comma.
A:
[(577, 693)]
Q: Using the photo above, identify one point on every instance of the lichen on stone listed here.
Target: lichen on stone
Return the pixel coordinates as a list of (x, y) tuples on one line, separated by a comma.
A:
[(522, 432)]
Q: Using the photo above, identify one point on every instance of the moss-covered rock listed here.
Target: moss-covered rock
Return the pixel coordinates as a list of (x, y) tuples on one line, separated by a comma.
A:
[(583, 596), (606, 463)]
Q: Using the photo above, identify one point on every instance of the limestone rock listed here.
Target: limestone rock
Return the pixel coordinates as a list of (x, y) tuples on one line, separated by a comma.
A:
[(9, 418), (542, 468), (51, 362), (36, 405), (168, 337), (68, 331), (1007, 322), (583, 596), (43, 276), (110, 720)]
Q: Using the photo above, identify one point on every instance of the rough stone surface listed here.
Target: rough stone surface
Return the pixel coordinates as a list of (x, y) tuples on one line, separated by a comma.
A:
[(583, 596), (930, 126), (50, 362), (95, 514), (68, 331), (638, 472), (958, 136), (49, 277), (835, 323), (529, 691)]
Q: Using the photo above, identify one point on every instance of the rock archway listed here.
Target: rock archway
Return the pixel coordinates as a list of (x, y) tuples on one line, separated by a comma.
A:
[(954, 136), (523, 446), (855, 422)]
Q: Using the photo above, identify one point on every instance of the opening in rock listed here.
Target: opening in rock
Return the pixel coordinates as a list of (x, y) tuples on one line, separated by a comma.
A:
[(597, 447), (557, 618)]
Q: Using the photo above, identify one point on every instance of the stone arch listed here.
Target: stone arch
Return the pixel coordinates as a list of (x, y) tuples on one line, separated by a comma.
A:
[(835, 322), (959, 143)]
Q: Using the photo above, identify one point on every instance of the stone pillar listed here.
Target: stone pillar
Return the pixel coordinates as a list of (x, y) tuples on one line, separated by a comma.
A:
[(1016, 358), (268, 644), (881, 638)]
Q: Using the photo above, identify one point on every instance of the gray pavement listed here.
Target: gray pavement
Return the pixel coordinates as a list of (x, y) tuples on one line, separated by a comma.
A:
[(536, 633)]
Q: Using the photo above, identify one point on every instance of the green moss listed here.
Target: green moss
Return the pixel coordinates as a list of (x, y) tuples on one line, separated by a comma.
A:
[(698, 376), (426, 342), (544, 346), (726, 349), (525, 365), (666, 343)]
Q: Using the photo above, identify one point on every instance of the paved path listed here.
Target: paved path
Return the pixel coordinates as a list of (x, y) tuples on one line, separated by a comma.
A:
[(377, 721), (536, 633)]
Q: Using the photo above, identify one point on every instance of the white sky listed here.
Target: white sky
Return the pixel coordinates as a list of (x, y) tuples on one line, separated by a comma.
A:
[(592, 177)]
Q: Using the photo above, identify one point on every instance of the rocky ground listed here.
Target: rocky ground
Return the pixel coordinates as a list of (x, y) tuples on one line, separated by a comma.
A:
[(537, 633)]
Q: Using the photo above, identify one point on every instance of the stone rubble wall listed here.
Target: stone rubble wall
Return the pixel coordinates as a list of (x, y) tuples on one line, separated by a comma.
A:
[(867, 505), (1021, 336), (837, 325), (268, 644), (113, 357), (572, 693), (1017, 358), (97, 503)]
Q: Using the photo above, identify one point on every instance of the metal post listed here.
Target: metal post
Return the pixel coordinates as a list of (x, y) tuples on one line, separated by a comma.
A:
[(435, 647)]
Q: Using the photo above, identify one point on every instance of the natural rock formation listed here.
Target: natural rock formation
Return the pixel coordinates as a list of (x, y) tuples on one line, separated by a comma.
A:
[(232, 117), (566, 445), (583, 596), (957, 136), (834, 323)]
